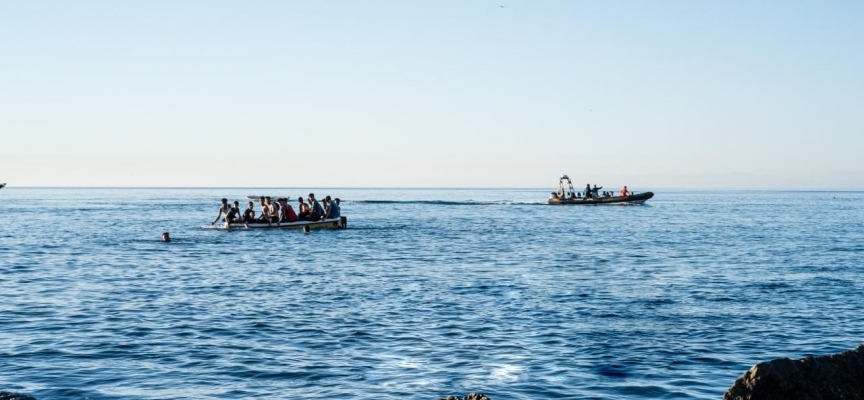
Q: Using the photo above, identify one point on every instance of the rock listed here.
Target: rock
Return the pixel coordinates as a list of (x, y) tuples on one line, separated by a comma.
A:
[(837, 376), (470, 396), (15, 396)]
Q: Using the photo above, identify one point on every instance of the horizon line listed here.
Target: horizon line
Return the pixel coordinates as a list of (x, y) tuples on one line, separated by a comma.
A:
[(415, 188)]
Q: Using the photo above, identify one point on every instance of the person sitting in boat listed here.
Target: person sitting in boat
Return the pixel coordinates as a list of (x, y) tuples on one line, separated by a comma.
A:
[(223, 210), (304, 209), (332, 209), (261, 204), (249, 214), (233, 215), (288, 214), (273, 209), (265, 211), (625, 192), (315, 210)]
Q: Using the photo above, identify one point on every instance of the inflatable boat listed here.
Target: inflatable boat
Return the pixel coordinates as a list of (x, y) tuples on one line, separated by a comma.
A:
[(331, 223), (637, 198), (567, 195)]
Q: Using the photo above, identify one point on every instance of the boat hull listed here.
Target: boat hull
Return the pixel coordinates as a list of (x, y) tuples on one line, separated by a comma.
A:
[(331, 223), (633, 199)]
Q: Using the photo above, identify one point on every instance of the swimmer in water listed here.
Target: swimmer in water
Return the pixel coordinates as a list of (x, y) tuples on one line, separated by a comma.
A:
[(166, 237)]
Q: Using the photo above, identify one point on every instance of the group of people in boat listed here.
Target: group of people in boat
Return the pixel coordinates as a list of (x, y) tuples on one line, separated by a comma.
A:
[(279, 211), (590, 193)]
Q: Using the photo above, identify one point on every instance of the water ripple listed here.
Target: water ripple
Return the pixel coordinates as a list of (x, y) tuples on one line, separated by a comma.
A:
[(426, 294)]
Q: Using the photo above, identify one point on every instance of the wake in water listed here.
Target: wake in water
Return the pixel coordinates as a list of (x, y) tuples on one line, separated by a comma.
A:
[(451, 203)]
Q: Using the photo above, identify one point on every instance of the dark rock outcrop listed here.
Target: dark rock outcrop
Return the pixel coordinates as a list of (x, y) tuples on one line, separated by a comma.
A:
[(837, 376), (15, 396), (470, 396)]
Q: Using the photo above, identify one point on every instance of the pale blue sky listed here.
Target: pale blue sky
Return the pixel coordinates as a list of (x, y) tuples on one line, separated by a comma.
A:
[(433, 93)]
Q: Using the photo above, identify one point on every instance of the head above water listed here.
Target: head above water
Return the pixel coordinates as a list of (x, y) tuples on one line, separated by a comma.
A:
[(166, 237)]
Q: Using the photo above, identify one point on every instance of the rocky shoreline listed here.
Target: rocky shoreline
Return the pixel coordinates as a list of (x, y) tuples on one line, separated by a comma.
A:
[(15, 396), (835, 376)]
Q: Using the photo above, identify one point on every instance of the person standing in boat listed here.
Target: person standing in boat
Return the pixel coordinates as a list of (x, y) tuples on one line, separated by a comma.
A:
[(587, 190), (596, 191), (315, 210), (223, 210), (625, 192)]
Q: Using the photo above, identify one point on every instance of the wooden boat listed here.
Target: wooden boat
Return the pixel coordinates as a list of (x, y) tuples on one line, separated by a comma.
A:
[(331, 223), (564, 196)]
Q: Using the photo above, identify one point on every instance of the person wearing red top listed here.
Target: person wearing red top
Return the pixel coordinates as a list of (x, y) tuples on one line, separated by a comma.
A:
[(288, 214), (625, 192)]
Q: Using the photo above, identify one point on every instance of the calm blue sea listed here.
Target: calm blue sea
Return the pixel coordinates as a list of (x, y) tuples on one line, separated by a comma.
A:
[(428, 293)]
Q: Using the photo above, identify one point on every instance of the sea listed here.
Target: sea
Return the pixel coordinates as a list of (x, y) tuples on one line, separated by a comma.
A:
[(427, 293)]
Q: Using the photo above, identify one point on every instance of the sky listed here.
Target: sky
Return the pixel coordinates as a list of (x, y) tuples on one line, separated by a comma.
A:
[(649, 94)]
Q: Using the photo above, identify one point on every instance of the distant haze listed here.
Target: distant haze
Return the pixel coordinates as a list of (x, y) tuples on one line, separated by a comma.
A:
[(765, 94)]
